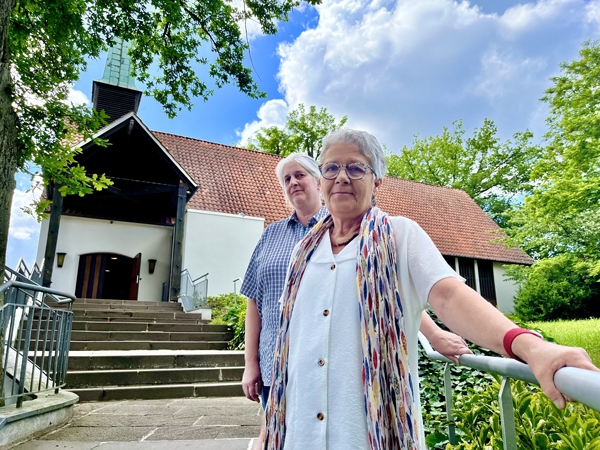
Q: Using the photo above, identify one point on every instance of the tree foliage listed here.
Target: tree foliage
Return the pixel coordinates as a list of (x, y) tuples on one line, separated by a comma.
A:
[(303, 132), (180, 49), (559, 222), (492, 172)]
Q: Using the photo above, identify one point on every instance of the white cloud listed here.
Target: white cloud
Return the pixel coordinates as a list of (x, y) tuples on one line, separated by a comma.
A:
[(405, 67), (77, 97), (22, 225), (271, 113)]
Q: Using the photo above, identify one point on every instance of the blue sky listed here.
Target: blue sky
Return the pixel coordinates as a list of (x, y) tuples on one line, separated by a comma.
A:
[(395, 68)]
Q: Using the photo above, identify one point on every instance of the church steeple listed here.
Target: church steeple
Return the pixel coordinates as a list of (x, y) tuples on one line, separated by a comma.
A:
[(116, 92)]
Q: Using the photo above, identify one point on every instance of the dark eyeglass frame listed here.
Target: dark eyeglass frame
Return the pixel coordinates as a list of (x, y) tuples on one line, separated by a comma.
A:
[(345, 167)]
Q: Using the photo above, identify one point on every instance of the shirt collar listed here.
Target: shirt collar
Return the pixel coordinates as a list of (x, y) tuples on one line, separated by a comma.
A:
[(312, 221)]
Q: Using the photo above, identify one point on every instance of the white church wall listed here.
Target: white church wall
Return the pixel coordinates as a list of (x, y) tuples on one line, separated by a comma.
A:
[(220, 244), (79, 236), (505, 289)]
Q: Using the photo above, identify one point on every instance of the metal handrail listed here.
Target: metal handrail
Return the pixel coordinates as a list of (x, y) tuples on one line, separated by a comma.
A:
[(67, 299), (193, 294), (35, 342), (235, 289), (578, 384)]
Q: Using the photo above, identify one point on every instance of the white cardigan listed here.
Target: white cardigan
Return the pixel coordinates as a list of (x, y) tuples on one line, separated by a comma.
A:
[(325, 407)]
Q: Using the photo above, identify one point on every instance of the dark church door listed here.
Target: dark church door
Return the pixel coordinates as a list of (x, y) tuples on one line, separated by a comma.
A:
[(108, 276), (134, 280)]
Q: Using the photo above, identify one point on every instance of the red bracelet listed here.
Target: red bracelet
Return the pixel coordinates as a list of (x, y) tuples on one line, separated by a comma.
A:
[(510, 336)]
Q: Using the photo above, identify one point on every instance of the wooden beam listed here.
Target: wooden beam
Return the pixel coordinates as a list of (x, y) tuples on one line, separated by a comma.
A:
[(177, 258), (53, 227)]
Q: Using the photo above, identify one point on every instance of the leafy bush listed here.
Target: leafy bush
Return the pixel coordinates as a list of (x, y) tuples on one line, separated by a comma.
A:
[(556, 288), (539, 423), (224, 312), (221, 303), (235, 317)]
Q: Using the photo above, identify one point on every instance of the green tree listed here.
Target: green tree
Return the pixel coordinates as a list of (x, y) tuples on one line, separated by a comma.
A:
[(491, 172), (303, 132), (559, 222), (44, 46), (272, 140)]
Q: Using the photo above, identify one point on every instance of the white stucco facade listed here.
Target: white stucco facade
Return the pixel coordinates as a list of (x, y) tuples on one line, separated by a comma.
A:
[(79, 236), (220, 244), (505, 289)]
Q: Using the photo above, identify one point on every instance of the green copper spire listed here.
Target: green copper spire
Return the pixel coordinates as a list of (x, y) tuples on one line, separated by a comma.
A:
[(117, 71)]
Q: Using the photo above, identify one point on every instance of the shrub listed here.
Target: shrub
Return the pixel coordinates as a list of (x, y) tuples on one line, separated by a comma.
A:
[(466, 382), (224, 312), (539, 423), (235, 317), (221, 303), (556, 288)]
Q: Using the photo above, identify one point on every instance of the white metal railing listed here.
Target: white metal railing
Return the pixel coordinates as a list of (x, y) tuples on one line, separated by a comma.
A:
[(578, 384), (193, 293)]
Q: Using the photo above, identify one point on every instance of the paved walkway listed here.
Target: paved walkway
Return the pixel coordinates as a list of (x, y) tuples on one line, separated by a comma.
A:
[(195, 423)]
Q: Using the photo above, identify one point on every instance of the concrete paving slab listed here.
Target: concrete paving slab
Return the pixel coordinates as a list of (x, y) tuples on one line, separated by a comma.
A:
[(110, 420), (240, 420), (222, 444), (195, 423), (123, 434), (187, 433)]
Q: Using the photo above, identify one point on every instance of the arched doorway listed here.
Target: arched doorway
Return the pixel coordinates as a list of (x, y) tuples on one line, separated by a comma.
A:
[(108, 276)]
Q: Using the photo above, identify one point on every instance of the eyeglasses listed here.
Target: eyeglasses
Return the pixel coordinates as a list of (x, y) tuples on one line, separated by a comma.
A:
[(355, 171)]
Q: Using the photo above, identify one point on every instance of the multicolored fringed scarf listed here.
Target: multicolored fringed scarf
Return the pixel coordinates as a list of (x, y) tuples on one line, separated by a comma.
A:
[(388, 387)]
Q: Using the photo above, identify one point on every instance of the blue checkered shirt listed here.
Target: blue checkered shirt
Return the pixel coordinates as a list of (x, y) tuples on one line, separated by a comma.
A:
[(265, 279)]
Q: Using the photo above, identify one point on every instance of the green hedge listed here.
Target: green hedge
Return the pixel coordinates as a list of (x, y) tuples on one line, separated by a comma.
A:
[(225, 312)]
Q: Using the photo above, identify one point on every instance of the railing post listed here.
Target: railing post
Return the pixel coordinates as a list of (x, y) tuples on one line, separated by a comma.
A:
[(449, 404), (507, 416)]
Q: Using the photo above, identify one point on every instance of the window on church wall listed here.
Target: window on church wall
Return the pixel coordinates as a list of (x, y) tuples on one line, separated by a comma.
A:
[(487, 286), (466, 268)]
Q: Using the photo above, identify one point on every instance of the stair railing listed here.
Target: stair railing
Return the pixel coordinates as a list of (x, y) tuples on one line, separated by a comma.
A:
[(193, 293), (578, 384), (34, 340)]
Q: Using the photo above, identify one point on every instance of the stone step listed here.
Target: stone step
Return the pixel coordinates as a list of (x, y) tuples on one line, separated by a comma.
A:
[(154, 359), (143, 326), (146, 345), (159, 392), (79, 315), (168, 307), (102, 378), (96, 301), (149, 336), (191, 320)]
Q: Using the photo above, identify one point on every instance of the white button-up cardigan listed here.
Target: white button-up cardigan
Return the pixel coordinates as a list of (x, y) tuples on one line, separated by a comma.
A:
[(325, 407)]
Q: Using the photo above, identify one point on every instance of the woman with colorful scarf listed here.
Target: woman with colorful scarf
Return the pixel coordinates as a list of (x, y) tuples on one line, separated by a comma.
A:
[(300, 180), (345, 371)]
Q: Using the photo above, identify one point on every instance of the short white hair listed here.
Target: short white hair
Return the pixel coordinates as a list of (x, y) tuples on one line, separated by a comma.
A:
[(304, 160), (366, 143)]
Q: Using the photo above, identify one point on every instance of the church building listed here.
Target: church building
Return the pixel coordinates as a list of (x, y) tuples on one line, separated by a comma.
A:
[(179, 204)]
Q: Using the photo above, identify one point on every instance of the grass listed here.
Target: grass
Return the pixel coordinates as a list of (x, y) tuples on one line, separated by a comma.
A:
[(575, 333)]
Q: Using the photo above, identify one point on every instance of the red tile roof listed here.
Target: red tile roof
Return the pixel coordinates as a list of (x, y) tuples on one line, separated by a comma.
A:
[(234, 180)]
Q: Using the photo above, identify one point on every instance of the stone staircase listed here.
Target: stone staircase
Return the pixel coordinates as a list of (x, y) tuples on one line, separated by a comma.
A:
[(122, 349)]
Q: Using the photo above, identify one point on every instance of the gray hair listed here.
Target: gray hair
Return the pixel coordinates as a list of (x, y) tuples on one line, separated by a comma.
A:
[(304, 160), (366, 143)]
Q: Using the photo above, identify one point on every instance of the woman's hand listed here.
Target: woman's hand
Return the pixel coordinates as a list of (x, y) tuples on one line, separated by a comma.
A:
[(252, 381), (450, 345), (545, 358)]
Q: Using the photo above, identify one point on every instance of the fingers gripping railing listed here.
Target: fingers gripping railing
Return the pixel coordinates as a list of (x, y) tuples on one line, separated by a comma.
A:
[(578, 384), (34, 341)]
